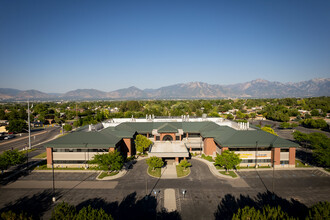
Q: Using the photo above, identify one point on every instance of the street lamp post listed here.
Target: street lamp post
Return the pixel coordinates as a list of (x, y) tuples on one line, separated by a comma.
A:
[(273, 196), (29, 124), (54, 199), (256, 154)]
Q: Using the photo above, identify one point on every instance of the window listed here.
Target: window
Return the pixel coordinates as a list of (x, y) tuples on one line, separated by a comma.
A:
[(284, 162), (284, 149), (254, 161), (69, 161), (157, 138), (177, 138), (251, 149)]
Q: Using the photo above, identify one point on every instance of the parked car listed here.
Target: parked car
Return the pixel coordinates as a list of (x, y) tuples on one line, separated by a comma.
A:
[(9, 137)]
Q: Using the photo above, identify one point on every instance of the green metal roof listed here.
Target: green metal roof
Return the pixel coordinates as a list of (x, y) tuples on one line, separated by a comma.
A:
[(250, 138), (118, 133), (85, 140), (167, 128), (223, 135)]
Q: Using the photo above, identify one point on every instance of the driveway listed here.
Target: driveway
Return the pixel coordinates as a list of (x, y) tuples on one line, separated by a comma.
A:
[(207, 197)]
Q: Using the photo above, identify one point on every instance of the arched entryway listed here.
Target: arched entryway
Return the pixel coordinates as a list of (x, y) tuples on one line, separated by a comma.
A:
[(167, 138)]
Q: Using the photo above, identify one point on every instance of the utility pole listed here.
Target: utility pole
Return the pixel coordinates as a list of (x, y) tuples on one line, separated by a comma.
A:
[(273, 196), (54, 199), (29, 124), (256, 154)]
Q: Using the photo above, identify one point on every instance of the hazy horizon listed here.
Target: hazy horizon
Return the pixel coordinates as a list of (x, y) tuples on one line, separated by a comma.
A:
[(58, 46)]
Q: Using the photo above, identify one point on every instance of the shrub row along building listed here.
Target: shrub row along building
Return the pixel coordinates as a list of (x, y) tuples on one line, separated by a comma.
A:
[(172, 139)]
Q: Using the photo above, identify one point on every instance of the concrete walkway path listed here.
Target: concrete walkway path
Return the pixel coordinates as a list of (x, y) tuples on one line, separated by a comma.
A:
[(169, 172), (169, 200)]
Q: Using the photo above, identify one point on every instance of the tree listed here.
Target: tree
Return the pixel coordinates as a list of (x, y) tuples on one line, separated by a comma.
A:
[(142, 143), (10, 215), (227, 159), (320, 210), (11, 158), (269, 130), (63, 211), (92, 214), (214, 114), (315, 112), (184, 163), (111, 161), (267, 212), (230, 116), (67, 127), (17, 126), (155, 162)]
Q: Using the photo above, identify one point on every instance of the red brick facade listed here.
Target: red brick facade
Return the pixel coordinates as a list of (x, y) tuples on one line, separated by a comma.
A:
[(276, 155), (292, 156), (49, 156), (127, 142), (209, 146)]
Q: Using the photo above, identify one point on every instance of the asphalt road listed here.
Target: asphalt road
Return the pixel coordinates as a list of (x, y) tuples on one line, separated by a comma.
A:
[(207, 197), (287, 133), (36, 138)]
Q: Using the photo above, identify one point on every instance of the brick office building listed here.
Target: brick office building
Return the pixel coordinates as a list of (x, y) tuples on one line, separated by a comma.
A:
[(173, 139)]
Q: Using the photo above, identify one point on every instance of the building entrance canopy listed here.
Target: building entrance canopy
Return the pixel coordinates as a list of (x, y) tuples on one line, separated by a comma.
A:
[(169, 149)]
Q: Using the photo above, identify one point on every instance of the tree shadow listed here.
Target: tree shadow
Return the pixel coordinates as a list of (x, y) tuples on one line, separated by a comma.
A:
[(131, 208), (230, 205), (35, 205), (305, 156)]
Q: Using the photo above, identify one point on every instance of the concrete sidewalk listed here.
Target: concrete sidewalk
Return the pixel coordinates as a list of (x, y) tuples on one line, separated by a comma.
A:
[(169, 172)]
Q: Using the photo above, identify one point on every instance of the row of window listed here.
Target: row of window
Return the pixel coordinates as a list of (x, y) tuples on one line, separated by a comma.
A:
[(263, 161), (79, 150), (254, 161), (259, 149), (70, 161)]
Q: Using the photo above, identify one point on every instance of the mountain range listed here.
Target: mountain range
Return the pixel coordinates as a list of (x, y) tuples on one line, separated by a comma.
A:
[(258, 88)]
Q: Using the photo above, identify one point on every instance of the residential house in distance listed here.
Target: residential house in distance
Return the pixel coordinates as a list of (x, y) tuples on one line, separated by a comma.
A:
[(173, 138)]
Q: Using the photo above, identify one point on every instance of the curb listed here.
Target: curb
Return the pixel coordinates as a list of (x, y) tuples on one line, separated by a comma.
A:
[(214, 170), (118, 175), (66, 171)]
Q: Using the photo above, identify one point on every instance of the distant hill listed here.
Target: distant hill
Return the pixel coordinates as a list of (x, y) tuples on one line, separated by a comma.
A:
[(84, 94), (258, 88)]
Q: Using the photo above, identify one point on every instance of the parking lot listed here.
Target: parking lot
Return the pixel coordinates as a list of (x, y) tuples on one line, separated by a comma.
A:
[(207, 197)]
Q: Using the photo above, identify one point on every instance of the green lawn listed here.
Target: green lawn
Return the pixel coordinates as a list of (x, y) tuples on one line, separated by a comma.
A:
[(327, 169), (155, 173), (300, 164), (181, 172), (105, 174), (230, 173), (208, 158), (30, 150), (40, 156), (219, 168), (44, 167), (253, 167)]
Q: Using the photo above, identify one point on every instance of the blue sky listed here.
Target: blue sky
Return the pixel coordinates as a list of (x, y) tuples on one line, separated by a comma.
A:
[(57, 46)]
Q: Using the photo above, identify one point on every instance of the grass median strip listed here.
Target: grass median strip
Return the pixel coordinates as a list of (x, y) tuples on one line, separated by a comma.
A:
[(181, 172), (40, 156), (230, 173), (154, 173), (106, 174)]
